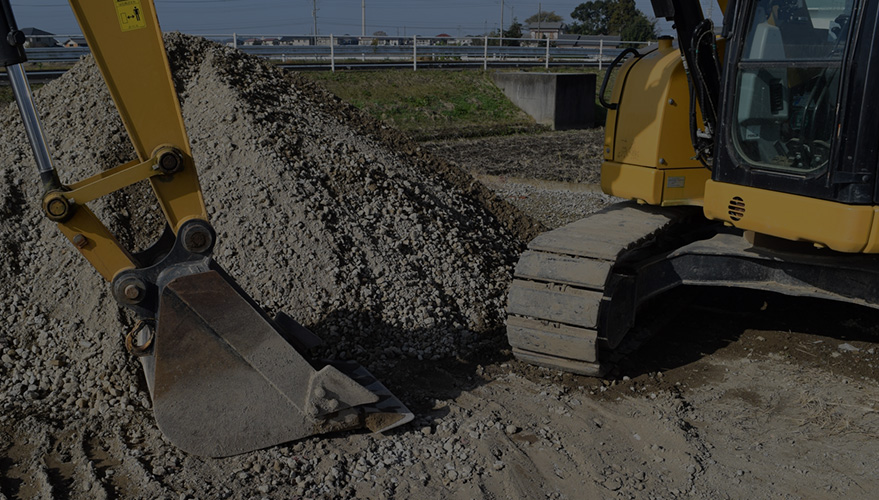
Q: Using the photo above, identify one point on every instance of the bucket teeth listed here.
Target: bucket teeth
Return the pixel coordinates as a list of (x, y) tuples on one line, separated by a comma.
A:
[(387, 412), (226, 379)]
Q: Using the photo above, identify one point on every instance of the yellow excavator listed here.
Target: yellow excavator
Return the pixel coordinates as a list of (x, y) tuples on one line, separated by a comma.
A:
[(748, 155), (224, 377)]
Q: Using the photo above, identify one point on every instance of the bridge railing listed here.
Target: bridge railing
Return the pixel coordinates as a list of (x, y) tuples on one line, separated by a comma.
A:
[(332, 50)]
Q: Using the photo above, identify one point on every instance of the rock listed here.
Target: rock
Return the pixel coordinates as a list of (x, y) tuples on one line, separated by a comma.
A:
[(612, 483), (846, 347)]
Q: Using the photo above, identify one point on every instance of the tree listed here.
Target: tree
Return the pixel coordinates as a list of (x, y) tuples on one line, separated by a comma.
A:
[(613, 17), (639, 29), (544, 17), (515, 30), (593, 17)]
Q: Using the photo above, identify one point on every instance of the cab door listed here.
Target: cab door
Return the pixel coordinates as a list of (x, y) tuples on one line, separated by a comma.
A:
[(800, 112)]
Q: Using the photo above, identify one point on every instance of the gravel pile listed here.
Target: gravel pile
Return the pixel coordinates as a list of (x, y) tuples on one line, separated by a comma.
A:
[(553, 204), (321, 212)]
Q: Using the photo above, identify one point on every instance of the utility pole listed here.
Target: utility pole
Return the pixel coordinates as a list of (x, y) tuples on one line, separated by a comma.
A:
[(539, 18), (314, 15), (502, 23), (363, 18)]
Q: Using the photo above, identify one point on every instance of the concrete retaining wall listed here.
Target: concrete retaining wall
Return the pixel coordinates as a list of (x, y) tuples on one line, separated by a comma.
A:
[(560, 100)]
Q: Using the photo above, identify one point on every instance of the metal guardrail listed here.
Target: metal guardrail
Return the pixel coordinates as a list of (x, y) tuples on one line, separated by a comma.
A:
[(331, 50), (55, 54)]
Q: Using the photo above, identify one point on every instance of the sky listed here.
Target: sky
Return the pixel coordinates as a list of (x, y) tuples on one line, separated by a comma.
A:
[(294, 17)]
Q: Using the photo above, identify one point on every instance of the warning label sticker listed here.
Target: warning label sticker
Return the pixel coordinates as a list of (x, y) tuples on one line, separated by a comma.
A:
[(130, 14)]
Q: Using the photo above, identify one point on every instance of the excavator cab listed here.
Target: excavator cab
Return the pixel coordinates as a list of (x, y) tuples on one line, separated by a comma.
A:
[(796, 153), (224, 377)]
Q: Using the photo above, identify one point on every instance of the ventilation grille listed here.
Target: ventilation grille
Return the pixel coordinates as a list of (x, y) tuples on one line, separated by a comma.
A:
[(776, 97), (736, 209)]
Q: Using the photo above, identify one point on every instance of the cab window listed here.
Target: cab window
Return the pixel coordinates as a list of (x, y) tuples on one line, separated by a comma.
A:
[(788, 83)]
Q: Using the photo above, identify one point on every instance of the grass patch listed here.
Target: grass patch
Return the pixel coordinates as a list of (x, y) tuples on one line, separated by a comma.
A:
[(430, 104), (438, 104), (6, 95)]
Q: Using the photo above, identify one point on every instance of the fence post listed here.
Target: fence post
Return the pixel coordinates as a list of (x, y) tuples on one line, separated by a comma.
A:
[(414, 52), (547, 52), (332, 54), (600, 53), (234, 40), (485, 55)]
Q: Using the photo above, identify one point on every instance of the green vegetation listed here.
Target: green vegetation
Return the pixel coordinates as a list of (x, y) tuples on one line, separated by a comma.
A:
[(6, 94), (429, 103), (613, 17), (544, 17), (434, 104)]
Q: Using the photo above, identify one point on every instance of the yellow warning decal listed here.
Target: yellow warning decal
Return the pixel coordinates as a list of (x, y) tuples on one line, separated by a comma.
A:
[(130, 14)]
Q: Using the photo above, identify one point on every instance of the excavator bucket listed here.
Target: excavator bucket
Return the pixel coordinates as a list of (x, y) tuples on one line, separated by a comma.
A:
[(225, 379)]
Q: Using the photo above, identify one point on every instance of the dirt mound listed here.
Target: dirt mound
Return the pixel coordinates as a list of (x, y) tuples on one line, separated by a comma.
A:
[(569, 156), (320, 212)]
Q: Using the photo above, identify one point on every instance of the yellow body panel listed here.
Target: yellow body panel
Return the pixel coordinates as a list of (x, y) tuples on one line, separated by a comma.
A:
[(127, 44), (844, 228), (141, 85), (650, 132), (109, 181), (96, 243), (666, 187), (684, 186), (632, 182)]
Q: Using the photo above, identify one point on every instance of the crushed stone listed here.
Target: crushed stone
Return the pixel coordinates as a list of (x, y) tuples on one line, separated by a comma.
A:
[(321, 212)]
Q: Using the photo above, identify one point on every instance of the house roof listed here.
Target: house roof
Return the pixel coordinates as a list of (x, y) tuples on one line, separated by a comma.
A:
[(547, 25), (35, 32)]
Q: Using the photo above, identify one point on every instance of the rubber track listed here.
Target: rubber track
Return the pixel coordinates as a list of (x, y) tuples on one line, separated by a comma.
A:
[(560, 293)]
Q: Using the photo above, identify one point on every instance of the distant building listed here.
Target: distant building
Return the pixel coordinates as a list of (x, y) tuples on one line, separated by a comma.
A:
[(77, 41), (547, 29), (298, 41), (380, 38), (34, 37)]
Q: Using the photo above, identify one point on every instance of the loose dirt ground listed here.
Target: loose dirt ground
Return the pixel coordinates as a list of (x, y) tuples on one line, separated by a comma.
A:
[(736, 396)]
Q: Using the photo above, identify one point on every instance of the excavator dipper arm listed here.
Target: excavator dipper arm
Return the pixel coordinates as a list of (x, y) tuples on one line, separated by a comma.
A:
[(224, 377)]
